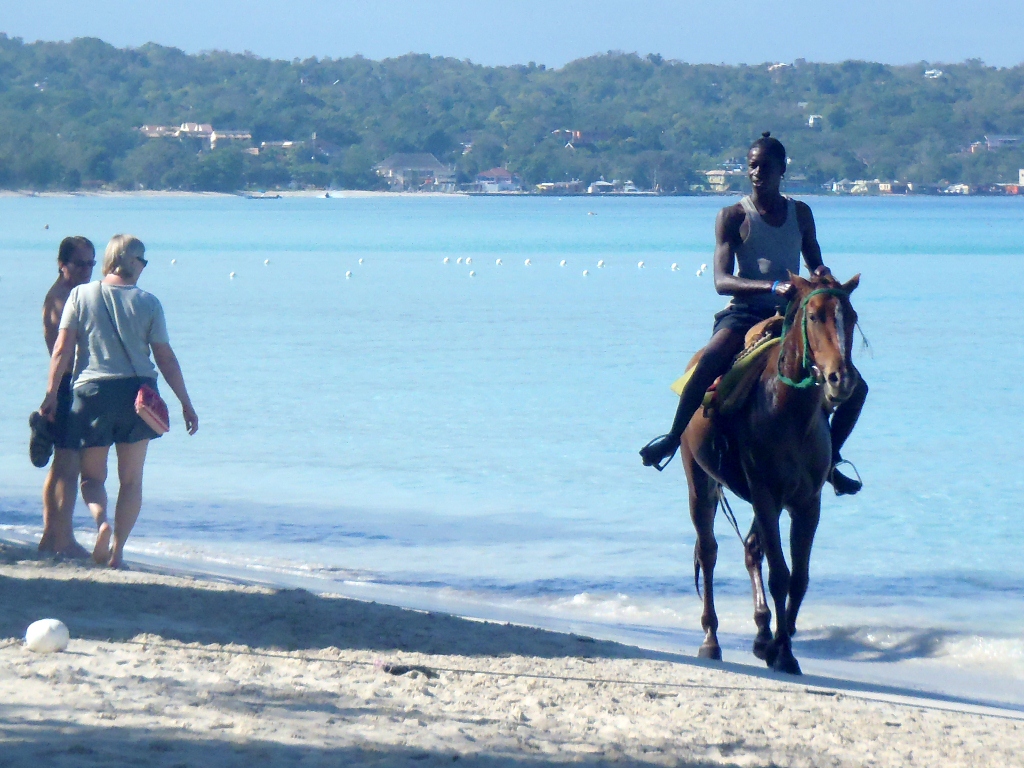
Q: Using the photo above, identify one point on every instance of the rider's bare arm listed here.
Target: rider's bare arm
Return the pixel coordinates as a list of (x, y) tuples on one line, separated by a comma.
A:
[(809, 243), (53, 307), (727, 239)]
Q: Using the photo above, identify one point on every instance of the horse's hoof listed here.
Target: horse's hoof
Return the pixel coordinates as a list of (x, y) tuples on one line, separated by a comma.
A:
[(713, 652), (761, 648), (786, 662)]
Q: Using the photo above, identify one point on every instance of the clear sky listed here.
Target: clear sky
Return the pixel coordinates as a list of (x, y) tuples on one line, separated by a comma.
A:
[(550, 32)]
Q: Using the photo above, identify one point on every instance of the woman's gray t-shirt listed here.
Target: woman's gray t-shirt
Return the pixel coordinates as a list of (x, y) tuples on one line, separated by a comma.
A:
[(139, 320)]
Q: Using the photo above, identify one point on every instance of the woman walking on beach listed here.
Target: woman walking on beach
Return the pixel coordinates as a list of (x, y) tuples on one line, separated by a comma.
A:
[(113, 325)]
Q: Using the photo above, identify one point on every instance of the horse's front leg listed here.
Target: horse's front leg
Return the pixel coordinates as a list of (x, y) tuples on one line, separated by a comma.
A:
[(703, 503), (752, 558), (801, 537), (766, 510)]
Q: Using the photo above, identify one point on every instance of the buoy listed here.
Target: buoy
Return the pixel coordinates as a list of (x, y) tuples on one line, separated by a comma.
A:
[(528, 262), (46, 226), (586, 272), (675, 267), (469, 259), (445, 260), (703, 267), (348, 274), (497, 262), (561, 263), (639, 265), (47, 636), (232, 275), (600, 264), (458, 260), (265, 262), (360, 261), (173, 262), (699, 273), (472, 273), (591, 213)]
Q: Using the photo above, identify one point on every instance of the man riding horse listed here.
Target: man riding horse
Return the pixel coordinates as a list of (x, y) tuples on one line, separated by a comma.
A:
[(764, 233)]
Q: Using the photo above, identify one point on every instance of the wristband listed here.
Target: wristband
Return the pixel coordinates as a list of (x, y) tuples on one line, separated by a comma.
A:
[(775, 285)]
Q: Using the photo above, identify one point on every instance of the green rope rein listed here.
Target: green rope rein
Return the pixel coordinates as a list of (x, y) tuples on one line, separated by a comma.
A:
[(810, 379)]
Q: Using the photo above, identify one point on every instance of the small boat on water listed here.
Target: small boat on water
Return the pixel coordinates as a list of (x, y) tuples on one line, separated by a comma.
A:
[(262, 196)]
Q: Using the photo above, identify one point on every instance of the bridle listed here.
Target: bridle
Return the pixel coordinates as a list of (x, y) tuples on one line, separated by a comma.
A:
[(813, 376)]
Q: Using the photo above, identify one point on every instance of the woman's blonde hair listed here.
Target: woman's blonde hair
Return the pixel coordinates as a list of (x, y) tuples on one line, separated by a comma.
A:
[(120, 251)]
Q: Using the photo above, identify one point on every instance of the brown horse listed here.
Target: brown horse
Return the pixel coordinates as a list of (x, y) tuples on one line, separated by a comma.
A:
[(775, 452)]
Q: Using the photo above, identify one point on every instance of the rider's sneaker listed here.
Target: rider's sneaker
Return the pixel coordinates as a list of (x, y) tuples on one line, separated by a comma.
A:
[(843, 485), (659, 452)]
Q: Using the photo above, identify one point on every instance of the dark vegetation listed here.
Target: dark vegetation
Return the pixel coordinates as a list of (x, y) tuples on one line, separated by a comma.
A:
[(69, 114)]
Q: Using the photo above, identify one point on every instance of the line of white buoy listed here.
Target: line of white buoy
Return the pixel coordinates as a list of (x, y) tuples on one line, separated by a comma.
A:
[(348, 274)]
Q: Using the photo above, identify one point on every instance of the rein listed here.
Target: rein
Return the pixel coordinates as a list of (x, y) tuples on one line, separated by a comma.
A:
[(810, 379)]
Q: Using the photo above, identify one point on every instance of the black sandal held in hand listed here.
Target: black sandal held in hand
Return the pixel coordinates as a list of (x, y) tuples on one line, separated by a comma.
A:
[(40, 444), (659, 452)]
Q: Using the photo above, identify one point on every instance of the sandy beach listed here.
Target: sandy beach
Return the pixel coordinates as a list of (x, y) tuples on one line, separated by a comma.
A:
[(169, 670)]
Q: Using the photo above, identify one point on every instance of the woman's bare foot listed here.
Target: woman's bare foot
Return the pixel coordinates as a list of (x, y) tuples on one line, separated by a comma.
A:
[(116, 559), (101, 552), (75, 551)]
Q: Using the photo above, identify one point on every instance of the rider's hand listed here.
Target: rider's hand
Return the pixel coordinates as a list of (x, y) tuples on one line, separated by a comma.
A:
[(785, 289)]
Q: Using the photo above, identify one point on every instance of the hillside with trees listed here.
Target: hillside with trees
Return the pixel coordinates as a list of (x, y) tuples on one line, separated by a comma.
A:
[(70, 114)]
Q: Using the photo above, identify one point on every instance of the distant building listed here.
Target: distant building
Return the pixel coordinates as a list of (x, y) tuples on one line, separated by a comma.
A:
[(600, 187), (933, 74), (1020, 176), (218, 136), (995, 142), (497, 180), (866, 187), (417, 171), (725, 179), (195, 130), (265, 145), (158, 131), (893, 188), (574, 187), (815, 122)]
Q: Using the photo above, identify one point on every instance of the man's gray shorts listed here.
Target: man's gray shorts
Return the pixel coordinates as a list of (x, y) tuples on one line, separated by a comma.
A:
[(103, 413)]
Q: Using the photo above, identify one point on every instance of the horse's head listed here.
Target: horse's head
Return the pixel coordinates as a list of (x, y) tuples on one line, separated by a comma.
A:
[(825, 317)]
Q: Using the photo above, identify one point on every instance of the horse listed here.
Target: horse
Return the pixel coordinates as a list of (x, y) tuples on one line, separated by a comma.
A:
[(774, 452)]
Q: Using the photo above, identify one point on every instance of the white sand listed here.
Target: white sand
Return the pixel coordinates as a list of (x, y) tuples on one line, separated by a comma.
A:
[(164, 670)]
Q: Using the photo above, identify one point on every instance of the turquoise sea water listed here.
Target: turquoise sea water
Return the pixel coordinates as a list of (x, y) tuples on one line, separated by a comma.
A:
[(417, 427)]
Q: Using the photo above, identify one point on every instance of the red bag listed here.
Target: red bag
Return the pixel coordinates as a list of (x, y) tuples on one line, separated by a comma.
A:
[(152, 409)]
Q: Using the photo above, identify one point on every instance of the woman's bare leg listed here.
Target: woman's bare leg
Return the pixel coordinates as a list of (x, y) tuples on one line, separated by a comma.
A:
[(94, 494), (130, 459)]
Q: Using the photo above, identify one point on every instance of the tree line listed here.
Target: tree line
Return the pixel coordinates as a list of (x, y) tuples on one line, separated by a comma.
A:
[(70, 113)]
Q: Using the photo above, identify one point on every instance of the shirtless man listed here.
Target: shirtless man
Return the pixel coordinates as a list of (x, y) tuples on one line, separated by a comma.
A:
[(765, 233), (75, 260)]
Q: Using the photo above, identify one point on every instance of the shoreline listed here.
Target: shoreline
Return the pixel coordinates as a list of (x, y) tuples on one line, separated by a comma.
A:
[(218, 672)]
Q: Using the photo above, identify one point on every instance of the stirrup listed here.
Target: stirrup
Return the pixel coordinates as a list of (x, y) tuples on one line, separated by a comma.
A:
[(665, 461), (832, 472)]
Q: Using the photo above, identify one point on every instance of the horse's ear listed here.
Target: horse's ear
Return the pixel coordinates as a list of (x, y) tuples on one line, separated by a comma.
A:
[(851, 285), (801, 284)]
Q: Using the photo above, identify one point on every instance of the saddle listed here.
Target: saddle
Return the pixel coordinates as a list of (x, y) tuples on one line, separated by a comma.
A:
[(731, 390)]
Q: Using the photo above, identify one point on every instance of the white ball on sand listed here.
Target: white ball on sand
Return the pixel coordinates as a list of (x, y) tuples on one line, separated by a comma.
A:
[(600, 264), (561, 263), (445, 260), (47, 636), (528, 262), (639, 265), (586, 272), (232, 275), (472, 273), (497, 262), (348, 274)]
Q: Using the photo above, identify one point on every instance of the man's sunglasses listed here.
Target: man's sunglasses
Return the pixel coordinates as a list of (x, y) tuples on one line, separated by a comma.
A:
[(144, 262), (78, 263)]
